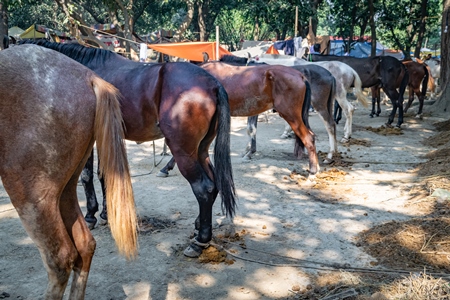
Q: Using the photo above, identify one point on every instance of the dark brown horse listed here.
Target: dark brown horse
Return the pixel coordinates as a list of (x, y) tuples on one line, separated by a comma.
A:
[(255, 89), (418, 83), (384, 72), (50, 117), (182, 103)]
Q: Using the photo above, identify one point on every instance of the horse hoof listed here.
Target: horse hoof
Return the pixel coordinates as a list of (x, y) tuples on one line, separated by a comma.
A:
[(327, 161), (91, 225), (195, 249), (419, 116), (345, 140), (102, 221), (162, 174), (246, 159), (312, 178), (284, 136)]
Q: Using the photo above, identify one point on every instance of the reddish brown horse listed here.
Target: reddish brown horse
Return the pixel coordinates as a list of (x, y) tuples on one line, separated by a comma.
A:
[(417, 84), (182, 103), (255, 89), (50, 118)]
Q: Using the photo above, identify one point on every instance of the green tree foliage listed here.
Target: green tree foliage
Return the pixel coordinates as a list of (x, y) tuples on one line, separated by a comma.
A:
[(399, 22), (25, 13)]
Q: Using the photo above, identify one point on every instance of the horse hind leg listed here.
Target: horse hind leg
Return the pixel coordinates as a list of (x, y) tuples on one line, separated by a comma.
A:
[(36, 207), (410, 99), (205, 192), (164, 172), (348, 109), (87, 179), (252, 125), (81, 237), (305, 138)]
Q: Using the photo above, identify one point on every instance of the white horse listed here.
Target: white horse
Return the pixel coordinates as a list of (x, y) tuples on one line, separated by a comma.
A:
[(346, 78), (435, 68)]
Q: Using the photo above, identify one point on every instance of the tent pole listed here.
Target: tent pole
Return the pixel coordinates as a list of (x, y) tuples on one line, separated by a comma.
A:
[(217, 42)]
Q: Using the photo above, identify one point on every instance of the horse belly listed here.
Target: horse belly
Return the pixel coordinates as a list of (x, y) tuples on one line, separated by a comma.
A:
[(249, 106)]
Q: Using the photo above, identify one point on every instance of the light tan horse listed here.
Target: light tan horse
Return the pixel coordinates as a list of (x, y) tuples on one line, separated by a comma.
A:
[(52, 110)]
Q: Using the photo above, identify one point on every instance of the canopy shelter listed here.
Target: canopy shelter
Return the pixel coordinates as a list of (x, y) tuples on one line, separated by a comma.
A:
[(42, 32), (192, 51), (15, 31)]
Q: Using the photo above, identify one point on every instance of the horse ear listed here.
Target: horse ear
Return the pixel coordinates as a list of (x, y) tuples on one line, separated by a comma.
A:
[(205, 57)]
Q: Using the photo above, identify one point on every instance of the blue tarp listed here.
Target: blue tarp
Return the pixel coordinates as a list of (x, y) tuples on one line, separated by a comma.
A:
[(360, 50)]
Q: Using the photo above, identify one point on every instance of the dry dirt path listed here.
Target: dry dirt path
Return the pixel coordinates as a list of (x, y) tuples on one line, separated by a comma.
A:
[(287, 228)]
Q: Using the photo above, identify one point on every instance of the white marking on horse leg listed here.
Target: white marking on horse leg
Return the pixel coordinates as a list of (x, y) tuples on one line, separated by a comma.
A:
[(287, 131), (348, 109), (78, 287)]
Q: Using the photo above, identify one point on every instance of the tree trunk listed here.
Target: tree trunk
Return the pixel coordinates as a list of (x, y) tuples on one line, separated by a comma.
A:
[(128, 25), (73, 16), (3, 21), (373, 31), (202, 14), (186, 22), (421, 33), (443, 103), (256, 30)]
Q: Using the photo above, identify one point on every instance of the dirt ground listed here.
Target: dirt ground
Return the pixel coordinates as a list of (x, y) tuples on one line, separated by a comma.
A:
[(367, 221)]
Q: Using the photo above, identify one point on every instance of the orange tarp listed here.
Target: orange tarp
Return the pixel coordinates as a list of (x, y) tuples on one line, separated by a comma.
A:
[(272, 50), (191, 51)]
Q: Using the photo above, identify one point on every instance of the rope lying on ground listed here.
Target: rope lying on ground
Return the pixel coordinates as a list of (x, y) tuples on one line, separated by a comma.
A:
[(323, 266)]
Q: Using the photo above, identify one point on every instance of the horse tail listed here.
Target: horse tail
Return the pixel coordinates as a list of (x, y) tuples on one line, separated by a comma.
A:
[(425, 81), (404, 82), (431, 81), (358, 90), (113, 165), (299, 145), (223, 173), (306, 104), (331, 99)]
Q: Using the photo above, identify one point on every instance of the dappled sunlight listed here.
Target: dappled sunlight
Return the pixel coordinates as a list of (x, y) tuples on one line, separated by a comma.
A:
[(165, 247), (275, 281), (312, 242), (140, 290), (261, 206), (25, 241), (248, 195), (205, 280), (8, 211), (331, 255)]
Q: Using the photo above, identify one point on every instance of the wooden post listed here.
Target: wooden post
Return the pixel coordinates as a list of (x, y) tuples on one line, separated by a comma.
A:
[(217, 43)]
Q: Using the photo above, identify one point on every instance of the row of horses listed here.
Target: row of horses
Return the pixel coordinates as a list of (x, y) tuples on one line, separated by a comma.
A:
[(51, 115)]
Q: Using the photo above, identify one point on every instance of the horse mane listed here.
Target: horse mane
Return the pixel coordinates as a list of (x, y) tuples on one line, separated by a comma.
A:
[(80, 53), (227, 58)]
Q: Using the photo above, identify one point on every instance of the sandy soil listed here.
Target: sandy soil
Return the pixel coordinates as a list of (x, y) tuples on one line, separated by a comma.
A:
[(368, 213)]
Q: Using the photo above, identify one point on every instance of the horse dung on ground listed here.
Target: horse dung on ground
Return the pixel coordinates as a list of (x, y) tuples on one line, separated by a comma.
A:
[(49, 120)]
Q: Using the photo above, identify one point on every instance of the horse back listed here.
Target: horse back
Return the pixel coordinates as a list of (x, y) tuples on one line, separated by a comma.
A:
[(26, 122)]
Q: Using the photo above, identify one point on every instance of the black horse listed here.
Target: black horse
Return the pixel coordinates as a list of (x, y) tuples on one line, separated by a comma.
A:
[(377, 72)]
